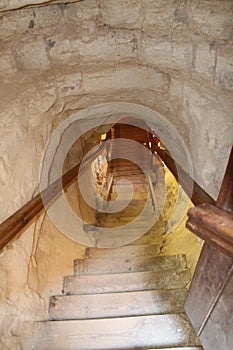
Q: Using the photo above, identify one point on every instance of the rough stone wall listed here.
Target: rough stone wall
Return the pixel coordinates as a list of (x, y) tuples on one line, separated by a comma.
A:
[(172, 56), (175, 57)]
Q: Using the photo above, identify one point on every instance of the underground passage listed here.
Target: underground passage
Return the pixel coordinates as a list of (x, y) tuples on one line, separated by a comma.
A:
[(116, 174)]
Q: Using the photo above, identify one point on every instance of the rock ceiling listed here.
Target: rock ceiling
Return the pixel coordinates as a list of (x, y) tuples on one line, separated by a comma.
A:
[(7, 5)]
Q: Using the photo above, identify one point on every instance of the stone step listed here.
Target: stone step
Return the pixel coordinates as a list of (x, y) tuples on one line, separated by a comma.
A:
[(138, 180), (137, 187), (133, 203), (77, 307), (119, 237), (122, 252), (126, 282), (120, 220), (129, 211), (126, 237), (123, 265), (128, 172), (116, 333), (125, 195), (113, 223)]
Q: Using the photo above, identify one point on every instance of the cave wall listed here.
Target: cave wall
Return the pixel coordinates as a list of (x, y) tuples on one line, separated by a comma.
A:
[(174, 57)]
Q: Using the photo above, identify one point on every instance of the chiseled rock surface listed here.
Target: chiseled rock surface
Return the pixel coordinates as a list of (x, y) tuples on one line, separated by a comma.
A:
[(63, 56), (7, 5)]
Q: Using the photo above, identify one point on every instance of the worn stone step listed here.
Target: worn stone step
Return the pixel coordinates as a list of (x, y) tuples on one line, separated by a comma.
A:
[(125, 195), (119, 237), (108, 218), (124, 187), (131, 211), (133, 203), (114, 223), (138, 178), (126, 171), (128, 264), (75, 307), (126, 282), (125, 218), (122, 252), (116, 333), (123, 236)]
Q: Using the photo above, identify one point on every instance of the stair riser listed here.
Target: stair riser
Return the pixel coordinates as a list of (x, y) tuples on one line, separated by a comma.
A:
[(111, 224), (122, 252), (119, 265), (121, 236), (168, 279), (125, 196), (116, 304), (155, 331)]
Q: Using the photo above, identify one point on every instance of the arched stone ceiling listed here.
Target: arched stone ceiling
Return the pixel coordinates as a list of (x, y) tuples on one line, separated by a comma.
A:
[(174, 57)]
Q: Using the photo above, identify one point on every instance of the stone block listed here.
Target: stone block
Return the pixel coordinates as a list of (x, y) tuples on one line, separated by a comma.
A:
[(69, 83), (204, 111), (7, 65), (81, 11), (122, 13), (61, 50), (212, 18), (47, 17), (31, 54), (14, 24), (167, 53), (122, 78), (30, 22), (205, 60), (101, 47), (113, 46), (162, 17), (175, 88), (224, 68)]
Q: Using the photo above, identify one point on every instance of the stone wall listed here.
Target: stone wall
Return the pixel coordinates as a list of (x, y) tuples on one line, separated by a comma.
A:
[(172, 56)]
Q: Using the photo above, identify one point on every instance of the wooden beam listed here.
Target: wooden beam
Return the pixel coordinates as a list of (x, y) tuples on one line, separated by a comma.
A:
[(225, 197), (217, 220), (214, 268)]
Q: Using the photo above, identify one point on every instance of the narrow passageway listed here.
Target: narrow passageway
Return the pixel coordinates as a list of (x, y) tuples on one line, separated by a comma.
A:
[(125, 295)]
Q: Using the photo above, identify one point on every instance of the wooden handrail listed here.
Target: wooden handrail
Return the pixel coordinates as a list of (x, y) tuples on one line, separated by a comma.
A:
[(10, 228), (214, 224), (109, 188), (152, 192), (198, 196)]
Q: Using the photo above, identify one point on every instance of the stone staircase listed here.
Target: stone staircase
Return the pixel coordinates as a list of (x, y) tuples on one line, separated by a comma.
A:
[(126, 296), (121, 298)]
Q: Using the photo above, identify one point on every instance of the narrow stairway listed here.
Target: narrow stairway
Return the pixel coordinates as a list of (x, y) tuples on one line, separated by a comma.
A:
[(121, 298), (123, 295)]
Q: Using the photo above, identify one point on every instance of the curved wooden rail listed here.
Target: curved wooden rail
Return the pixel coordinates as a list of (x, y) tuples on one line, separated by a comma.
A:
[(11, 227)]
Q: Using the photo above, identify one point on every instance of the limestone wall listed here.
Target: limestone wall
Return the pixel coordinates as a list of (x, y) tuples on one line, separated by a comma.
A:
[(172, 56)]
